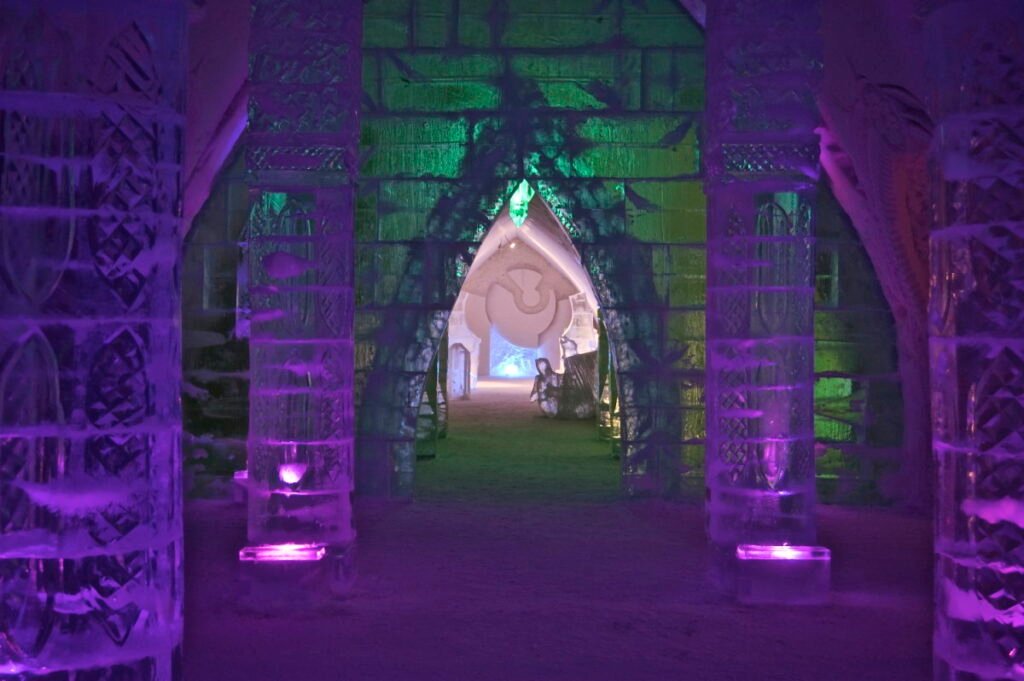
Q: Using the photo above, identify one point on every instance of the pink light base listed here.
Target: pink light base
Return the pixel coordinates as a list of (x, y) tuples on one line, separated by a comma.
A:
[(783, 574), (781, 552), (283, 553)]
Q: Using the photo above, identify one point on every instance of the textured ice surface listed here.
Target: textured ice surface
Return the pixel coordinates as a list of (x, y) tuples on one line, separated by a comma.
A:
[(90, 364), (977, 322)]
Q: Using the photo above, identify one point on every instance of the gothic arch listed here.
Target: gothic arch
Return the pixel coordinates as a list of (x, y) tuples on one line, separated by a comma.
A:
[(593, 212)]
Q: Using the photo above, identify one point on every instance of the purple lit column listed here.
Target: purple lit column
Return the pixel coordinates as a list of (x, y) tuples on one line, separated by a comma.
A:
[(302, 158), (977, 338), (763, 65), (91, 101)]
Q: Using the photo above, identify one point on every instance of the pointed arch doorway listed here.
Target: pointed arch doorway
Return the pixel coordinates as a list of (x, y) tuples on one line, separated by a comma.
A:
[(526, 303), (407, 332), (520, 293)]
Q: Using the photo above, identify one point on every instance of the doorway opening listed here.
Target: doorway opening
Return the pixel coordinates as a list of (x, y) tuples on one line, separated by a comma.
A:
[(512, 404)]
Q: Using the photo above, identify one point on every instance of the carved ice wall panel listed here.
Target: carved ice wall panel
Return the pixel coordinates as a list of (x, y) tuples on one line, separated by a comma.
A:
[(90, 365)]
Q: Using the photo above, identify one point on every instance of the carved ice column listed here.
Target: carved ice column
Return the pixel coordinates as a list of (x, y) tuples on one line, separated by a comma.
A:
[(302, 158), (91, 101), (764, 62), (977, 338)]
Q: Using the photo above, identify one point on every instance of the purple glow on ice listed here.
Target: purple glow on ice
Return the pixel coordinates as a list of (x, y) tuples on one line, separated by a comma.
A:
[(280, 553), (291, 473), (301, 419), (781, 552)]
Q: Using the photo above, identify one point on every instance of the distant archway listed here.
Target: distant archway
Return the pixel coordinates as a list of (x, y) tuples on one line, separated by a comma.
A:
[(620, 269), (605, 127)]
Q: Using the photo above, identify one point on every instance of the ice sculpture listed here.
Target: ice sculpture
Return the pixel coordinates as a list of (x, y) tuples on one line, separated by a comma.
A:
[(764, 60), (569, 395), (608, 418), (90, 359), (432, 419), (304, 129), (462, 365), (977, 326), (460, 372), (519, 203), (582, 329)]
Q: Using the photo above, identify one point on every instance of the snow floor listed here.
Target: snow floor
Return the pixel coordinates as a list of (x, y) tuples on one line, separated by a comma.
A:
[(518, 560)]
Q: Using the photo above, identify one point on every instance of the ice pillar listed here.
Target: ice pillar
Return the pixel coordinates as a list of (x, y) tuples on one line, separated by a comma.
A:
[(302, 158), (977, 338), (763, 63), (91, 120)]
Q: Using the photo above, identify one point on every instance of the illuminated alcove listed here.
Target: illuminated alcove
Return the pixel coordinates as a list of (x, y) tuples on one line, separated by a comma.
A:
[(447, 141)]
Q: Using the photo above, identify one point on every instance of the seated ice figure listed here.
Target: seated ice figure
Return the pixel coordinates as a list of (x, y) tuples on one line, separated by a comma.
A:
[(569, 395)]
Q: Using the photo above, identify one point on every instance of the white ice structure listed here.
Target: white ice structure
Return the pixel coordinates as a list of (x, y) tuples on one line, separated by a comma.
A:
[(463, 350), (582, 331), (525, 292)]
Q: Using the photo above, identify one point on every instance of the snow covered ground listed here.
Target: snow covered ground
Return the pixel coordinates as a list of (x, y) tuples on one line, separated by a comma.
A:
[(519, 561)]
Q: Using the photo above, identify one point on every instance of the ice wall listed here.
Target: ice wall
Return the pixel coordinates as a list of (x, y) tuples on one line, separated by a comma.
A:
[(764, 61), (91, 114), (977, 337)]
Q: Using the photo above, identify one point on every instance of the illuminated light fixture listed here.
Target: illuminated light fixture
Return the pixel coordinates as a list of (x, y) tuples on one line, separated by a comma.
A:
[(781, 552), (283, 553), (291, 473), (783, 574), (519, 204)]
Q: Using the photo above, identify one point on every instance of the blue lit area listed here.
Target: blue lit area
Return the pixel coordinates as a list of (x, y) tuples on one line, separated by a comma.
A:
[(509, 360)]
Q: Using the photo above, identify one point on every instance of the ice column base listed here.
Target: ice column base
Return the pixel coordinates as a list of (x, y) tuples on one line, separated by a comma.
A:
[(783, 574), (283, 578)]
